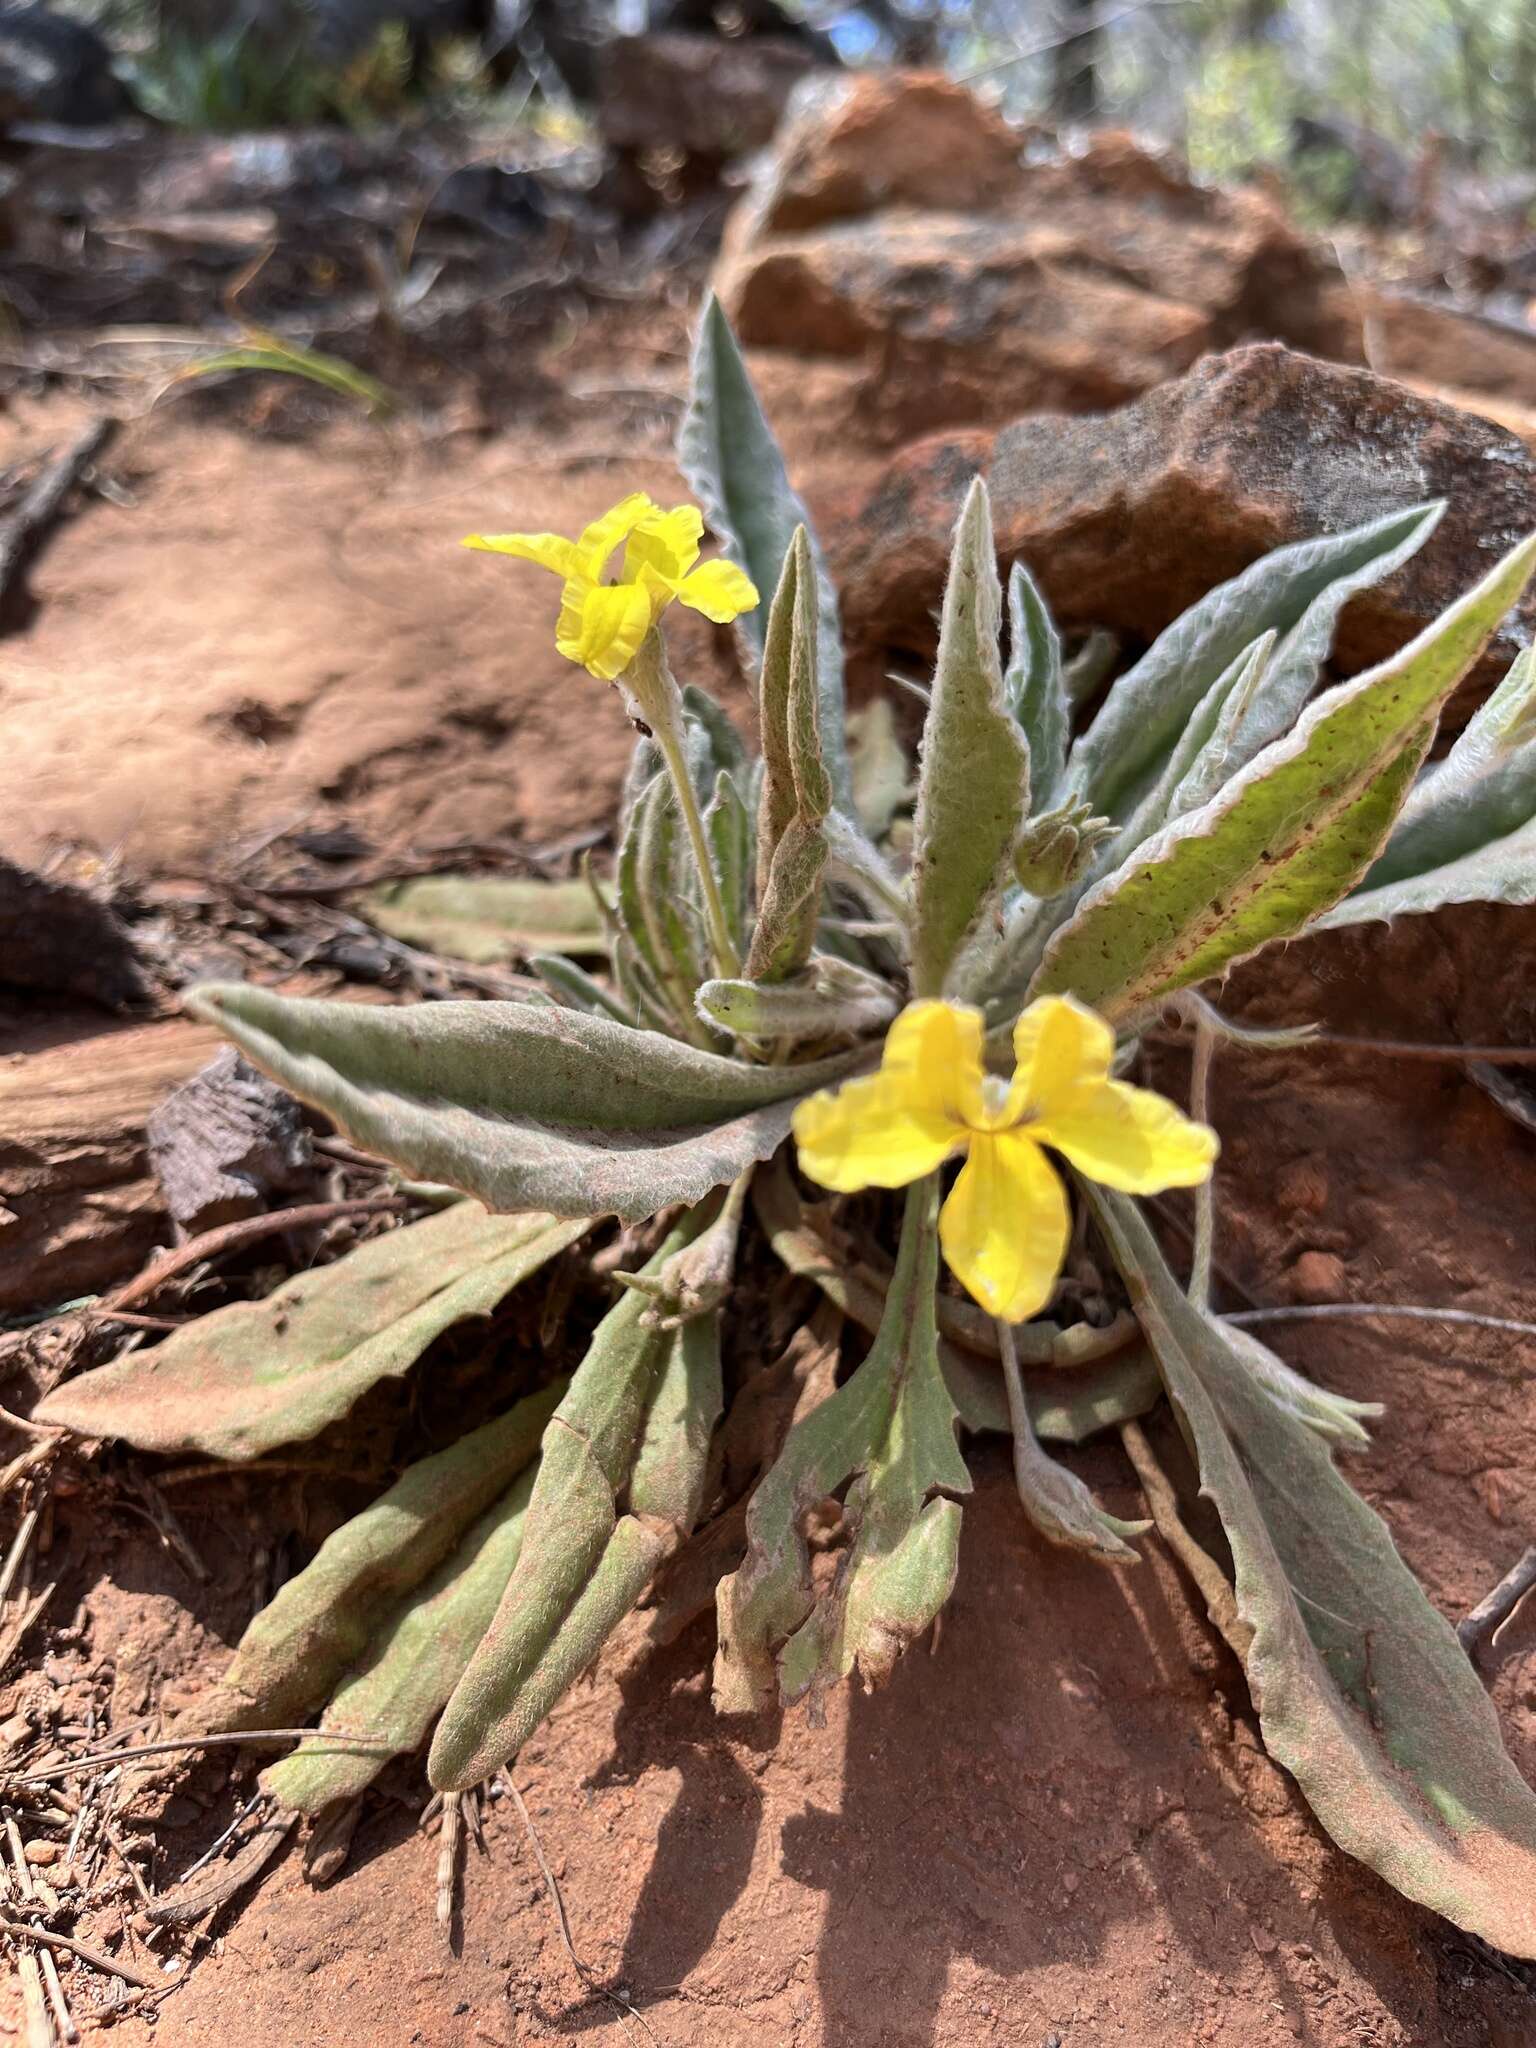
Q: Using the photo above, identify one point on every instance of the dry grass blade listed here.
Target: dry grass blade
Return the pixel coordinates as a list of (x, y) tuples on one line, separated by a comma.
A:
[(188, 1903), (111, 1966)]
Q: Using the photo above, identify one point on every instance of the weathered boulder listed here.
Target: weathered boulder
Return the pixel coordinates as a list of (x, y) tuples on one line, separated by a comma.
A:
[(1426, 342), (1127, 519), (907, 265)]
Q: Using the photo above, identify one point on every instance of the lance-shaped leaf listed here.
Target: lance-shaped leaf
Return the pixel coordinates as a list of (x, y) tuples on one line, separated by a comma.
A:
[(412, 1664), (890, 1431), (527, 1108), (1503, 872), (878, 764), (796, 792), (726, 450), (575, 989), (1288, 836), (488, 917), (241, 1380), (830, 999), (1480, 797), (1149, 705), (320, 1623), (1363, 1692), (1034, 687), (584, 1560), (728, 829), (973, 786)]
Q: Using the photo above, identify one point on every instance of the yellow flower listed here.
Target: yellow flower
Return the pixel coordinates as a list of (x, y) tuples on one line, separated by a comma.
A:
[(1005, 1224), (602, 624)]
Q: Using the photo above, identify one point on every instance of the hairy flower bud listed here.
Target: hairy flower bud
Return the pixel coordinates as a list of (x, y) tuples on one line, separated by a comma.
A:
[(1056, 847)]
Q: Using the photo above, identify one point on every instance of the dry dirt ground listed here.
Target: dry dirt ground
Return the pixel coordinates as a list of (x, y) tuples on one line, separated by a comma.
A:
[(1056, 1828)]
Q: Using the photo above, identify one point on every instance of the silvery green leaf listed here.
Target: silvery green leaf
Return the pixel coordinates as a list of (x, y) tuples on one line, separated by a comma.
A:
[(1501, 872), (485, 918), (573, 987), (888, 1434), (973, 783), (1033, 685), (790, 906), (714, 745), (1363, 1692), (239, 1381), (881, 772), (1288, 836), (526, 1108), (1148, 707), (727, 452), (412, 1664), (854, 860), (728, 829), (825, 1000), (1483, 790), (1083, 672), (1293, 674), (320, 1622), (583, 1563)]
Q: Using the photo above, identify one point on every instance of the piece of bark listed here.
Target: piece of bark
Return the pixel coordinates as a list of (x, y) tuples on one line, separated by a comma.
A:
[(79, 1208), (225, 1141)]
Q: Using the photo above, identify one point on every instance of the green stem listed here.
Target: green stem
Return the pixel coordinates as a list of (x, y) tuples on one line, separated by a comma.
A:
[(727, 959), (657, 703)]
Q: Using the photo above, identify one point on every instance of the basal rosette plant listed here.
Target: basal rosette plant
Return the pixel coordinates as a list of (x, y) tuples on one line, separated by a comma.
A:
[(943, 1004)]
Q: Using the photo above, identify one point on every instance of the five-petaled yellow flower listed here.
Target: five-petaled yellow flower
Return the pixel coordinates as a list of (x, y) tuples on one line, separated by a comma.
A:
[(602, 624), (1005, 1224)]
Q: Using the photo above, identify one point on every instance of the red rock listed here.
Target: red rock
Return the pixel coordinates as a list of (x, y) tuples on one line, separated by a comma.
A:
[(1127, 519), (1319, 1276), (898, 230)]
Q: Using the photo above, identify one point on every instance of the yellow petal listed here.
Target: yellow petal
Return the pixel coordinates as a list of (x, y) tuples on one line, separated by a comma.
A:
[(602, 626), (599, 540), (720, 591), (1005, 1225), (1057, 1045), (865, 1135), (933, 1059), (667, 544), (1129, 1138), (549, 550)]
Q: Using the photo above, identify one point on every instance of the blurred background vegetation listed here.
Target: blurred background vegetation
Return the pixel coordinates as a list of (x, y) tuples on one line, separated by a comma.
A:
[(1337, 94)]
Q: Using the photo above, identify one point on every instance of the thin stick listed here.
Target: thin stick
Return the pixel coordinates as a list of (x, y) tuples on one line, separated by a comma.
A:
[(548, 1876), (1477, 1631), (1324, 1311), (227, 1236), (214, 1847), (120, 1848), (1163, 1506), (16, 1552), (1389, 1048), (63, 2019), (103, 1759), (1205, 1193), (22, 533), (448, 1859), (96, 1957), (34, 2001)]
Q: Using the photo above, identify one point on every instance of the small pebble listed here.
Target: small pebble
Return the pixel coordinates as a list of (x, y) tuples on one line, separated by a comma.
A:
[(1319, 1276), (44, 1852)]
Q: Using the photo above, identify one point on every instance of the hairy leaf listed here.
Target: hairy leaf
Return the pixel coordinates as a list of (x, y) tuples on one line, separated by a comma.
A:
[(1484, 789), (1033, 686), (488, 917), (973, 786), (319, 1624), (1364, 1694), (796, 792), (878, 764), (1502, 872), (526, 1108), (241, 1380), (1149, 706), (727, 452), (583, 1562), (411, 1665), (1287, 837), (890, 1431), (830, 999)]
